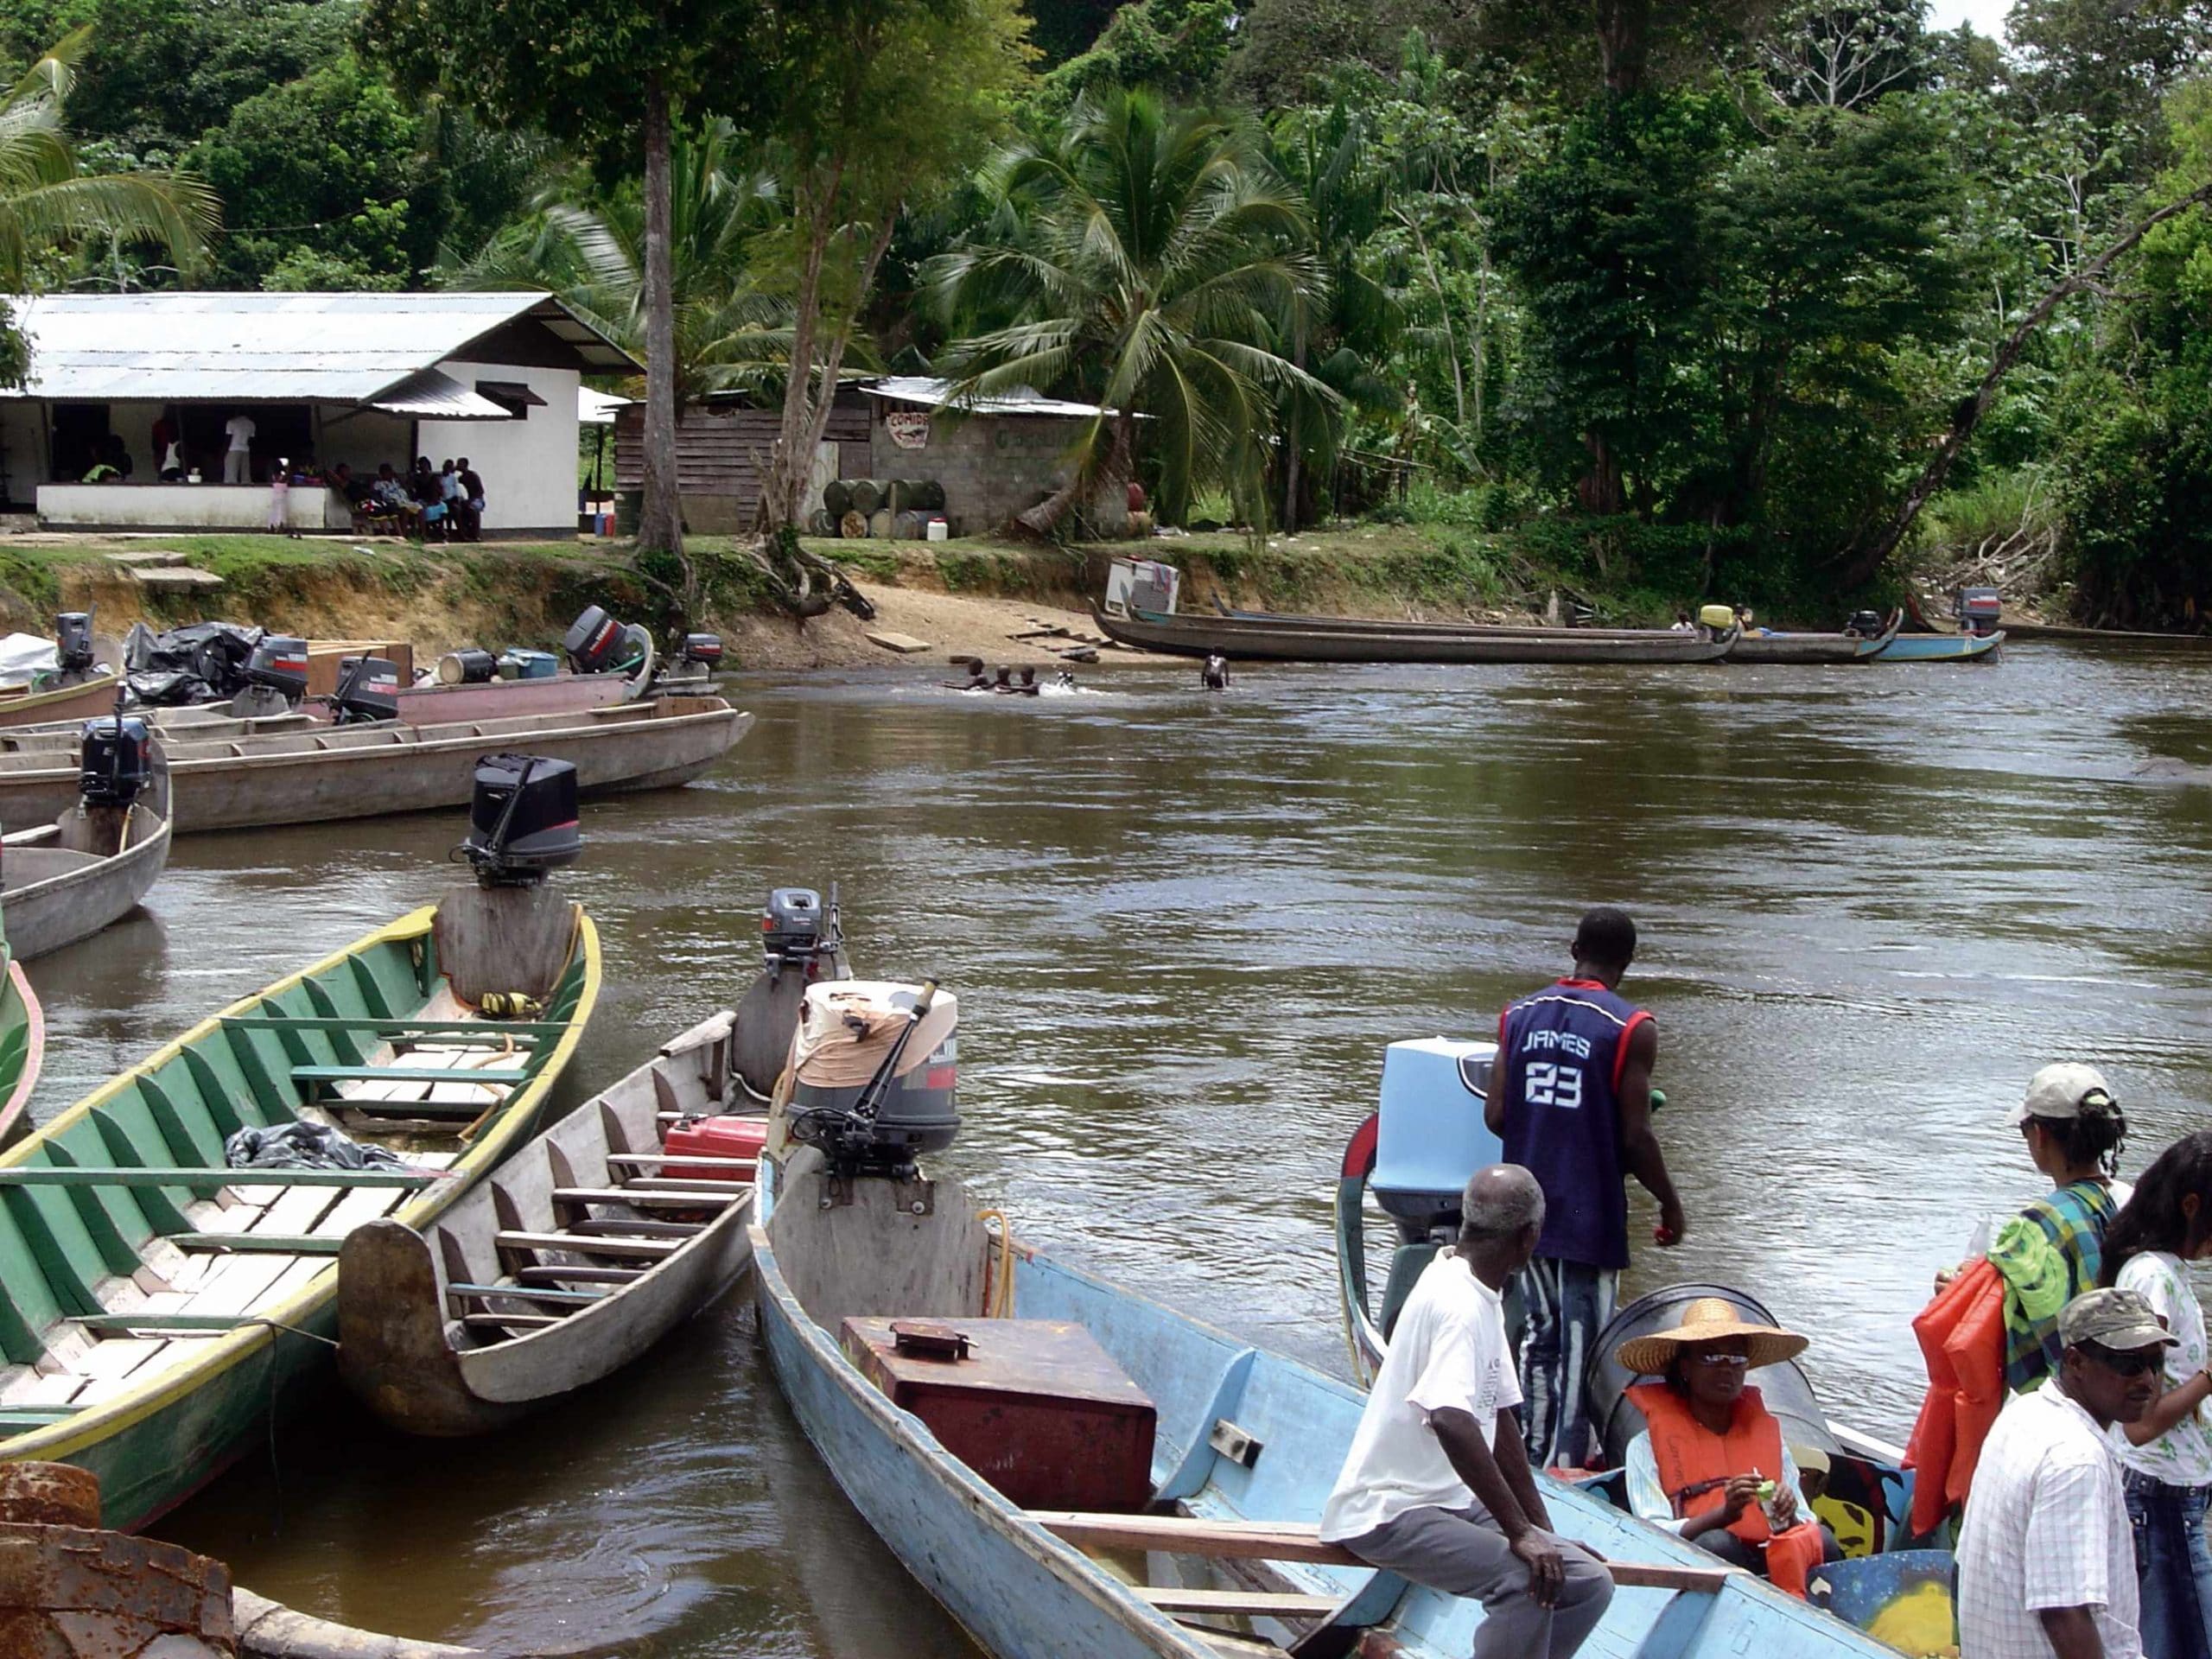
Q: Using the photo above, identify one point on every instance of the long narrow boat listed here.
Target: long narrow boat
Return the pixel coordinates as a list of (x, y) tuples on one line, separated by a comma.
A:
[(302, 775), (1243, 1447), (153, 1299), (1761, 646), (80, 699), (1274, 620), (1758, 647), (1185, 636), (22, 1047), (437, 703), (65, 880), (1939, 647)]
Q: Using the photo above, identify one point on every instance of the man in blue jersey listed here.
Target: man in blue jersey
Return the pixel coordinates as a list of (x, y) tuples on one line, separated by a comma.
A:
[(1571, 1103)]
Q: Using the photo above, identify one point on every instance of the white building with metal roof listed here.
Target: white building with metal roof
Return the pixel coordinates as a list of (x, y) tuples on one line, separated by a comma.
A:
[(367, 379)]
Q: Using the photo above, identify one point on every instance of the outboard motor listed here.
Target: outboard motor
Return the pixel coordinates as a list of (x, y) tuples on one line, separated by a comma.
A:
[(1980, 609), (790, 930), (1867, 625), (703, 649), (276, 678), (73, 643), (874, 1075), (522, 820), (368, 689), (115, 760), (803, 944), (595, 641), (1430, 1138)]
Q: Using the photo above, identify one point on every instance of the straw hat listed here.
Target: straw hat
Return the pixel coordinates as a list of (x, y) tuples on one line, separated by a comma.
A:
[(1709, 1319)]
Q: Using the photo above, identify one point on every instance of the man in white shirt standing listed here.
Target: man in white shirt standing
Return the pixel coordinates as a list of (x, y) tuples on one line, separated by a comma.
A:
[(1436, 1487), (238, 459), (2046, 1557)]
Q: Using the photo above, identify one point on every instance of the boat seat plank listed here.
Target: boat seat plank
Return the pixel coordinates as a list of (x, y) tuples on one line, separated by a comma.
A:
[(596, 1246), (556, 1275), (524, 1293), (687, 1159), (682, 1199), (135, 1175), (509, 1321), (258, 1243), (1250, 1603), (457, 1030), (1286, 1540), (318, 1074), (623, 1226), (135, 1321), (14, 1422)]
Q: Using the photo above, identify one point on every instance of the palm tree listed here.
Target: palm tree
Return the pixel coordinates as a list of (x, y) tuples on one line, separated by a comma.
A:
[(49, 206), (1151, 262), (588, 246)]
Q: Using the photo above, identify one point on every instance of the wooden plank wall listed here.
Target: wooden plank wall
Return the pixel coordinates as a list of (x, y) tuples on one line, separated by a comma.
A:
[(724, 451)]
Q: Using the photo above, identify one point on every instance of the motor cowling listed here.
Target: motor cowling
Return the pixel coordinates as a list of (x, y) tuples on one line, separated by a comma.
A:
[(1867, 625), (791, 928), (595, 641), (523, 820), (115, 760), (704, 649), (368, 689), (279, 664), (874, 1074), (73, 642), (1431, 1138)]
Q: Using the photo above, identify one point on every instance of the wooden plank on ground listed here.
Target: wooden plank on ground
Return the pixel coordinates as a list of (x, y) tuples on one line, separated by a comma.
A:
[(904, 644)]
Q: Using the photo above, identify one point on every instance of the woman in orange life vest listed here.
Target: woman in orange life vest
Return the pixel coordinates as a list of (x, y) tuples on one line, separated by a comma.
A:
[(1711, 1465)]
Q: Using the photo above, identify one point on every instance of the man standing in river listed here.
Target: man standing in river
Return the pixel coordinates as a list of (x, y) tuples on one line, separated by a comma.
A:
[(1571, 1100), (1437, 1486)]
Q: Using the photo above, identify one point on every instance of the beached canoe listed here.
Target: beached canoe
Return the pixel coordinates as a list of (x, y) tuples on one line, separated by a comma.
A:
[(584, 1249), (154, 1299), (81, 699), (302, 774), (1939, 647), (1243, 1446), (65, 880), (1190, 636)]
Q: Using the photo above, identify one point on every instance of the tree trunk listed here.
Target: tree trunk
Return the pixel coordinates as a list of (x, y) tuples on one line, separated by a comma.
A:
[(1624, 43), (1863, 568), (1600, 491), (1293, 447), (787, 466), (660, 517)]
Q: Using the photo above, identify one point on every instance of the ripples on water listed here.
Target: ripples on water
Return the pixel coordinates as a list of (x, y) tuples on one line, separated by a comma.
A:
[(1182, 929)]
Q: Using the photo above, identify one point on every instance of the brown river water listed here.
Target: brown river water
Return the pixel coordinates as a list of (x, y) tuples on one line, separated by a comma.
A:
[(1182, 929)]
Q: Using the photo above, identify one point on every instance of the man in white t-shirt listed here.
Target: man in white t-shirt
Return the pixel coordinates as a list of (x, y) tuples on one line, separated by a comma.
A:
[(238, 459), (2046, 1556), (1436, 1487)]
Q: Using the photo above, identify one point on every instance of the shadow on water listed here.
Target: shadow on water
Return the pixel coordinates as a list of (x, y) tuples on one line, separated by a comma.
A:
[(1182, 930)]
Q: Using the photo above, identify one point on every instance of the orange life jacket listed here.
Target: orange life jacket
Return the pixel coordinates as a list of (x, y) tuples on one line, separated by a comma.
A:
[(1961, 1336), (1695, 1465)]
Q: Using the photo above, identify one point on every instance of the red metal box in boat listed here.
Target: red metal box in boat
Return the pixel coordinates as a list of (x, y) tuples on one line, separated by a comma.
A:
[(715, 1137), (1036, 1407)]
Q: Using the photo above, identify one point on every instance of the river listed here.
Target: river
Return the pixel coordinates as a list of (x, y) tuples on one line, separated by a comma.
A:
[(1182, 929)]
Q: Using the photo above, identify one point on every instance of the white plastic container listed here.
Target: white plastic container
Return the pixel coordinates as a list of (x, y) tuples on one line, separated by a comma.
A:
[(938, 530)]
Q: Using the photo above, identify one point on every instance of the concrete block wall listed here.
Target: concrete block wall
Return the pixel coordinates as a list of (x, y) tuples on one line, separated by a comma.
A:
[(993, 467)]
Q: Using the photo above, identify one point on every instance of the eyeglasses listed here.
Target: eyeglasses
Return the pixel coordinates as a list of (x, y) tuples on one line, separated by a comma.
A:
[(1721, 1356), (2125, 1361)]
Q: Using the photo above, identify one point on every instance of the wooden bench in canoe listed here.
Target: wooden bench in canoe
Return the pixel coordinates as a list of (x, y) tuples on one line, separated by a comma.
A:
[(153, 1300), (579, 1255)]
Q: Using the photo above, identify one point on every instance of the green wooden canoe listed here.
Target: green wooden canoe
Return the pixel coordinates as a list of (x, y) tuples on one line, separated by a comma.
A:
[(146, 1325)]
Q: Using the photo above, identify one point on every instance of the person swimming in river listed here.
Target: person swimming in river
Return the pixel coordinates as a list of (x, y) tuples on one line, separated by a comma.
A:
[(1215, 675), (1028, 687)]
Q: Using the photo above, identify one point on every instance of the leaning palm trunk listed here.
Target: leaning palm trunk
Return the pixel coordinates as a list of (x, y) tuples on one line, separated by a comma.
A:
[(660, 518)]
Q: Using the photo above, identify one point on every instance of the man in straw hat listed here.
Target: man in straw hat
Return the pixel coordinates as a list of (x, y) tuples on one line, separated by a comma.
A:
[(1711, 1465), (1572, 1104), (1436, 1487), (2046, 1558)]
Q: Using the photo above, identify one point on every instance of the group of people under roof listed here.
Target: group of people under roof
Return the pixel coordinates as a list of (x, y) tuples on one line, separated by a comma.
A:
[(437, 504), (2083, 1533)]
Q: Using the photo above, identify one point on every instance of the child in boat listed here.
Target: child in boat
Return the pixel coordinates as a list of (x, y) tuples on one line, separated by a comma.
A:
[(2165, 1456), (1711, 1465)]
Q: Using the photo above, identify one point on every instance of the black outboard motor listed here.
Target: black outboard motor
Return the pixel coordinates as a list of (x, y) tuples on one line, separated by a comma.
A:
[(595, 641), (704, 649), (791, 930), (522, 820), (1867, 625), (368, 689), (879, 1120), (115, 760), (73, 642)]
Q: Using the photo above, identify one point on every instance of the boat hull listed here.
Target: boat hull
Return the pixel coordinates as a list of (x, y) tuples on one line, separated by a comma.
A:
[(22, 1051), (63, 899), (1939, 648), (88, 697), (1241, 642), (314, 777)]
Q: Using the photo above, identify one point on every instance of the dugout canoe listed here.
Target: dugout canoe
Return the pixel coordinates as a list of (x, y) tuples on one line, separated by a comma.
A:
[(437, 701), (153, 1301), (1382, 624), (1245, 1448), (1939, 647), (316, 774), (1185, 636), (93, 695), (1757, 647), (65, 880)]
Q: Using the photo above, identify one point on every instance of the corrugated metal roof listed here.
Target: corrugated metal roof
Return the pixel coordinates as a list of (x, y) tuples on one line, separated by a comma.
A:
[(598, 407), (936, 394), (218, 347), (426, 395)]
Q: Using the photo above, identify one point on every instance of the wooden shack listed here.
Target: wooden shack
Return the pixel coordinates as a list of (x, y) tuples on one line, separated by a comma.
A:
[(723, 445)]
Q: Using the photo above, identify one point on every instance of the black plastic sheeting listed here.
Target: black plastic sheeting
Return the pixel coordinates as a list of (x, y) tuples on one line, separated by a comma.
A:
[(204, 663), (304, 1145)]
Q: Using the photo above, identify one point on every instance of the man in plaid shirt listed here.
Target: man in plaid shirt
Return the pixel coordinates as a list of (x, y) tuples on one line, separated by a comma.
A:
[(2046, 1558)]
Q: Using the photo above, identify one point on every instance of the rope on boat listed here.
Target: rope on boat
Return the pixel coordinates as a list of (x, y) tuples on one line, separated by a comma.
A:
[(998, 1287)]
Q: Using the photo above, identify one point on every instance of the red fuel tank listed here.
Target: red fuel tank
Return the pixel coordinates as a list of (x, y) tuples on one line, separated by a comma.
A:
[(715, 1137)]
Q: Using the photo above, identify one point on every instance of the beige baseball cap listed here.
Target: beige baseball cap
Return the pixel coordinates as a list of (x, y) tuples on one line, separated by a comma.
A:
[(2113, 1319), (2062, 1091)]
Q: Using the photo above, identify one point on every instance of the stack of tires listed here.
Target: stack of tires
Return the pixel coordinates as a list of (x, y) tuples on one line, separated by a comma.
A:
[(884, 509)]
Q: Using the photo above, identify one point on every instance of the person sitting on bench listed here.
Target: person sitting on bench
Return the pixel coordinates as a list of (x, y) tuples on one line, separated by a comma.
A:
[(1436, 1487)]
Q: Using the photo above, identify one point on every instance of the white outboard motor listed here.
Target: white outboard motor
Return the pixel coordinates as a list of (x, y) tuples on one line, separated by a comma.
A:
[(1430, 1140), (874, 1074)]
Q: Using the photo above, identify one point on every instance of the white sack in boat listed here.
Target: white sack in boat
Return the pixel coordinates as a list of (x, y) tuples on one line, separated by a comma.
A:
[(25, 655), (846, 1027)]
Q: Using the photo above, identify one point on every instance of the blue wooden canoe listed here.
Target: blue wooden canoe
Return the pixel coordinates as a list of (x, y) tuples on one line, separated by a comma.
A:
[(1939, 647), (1248, 1447)]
